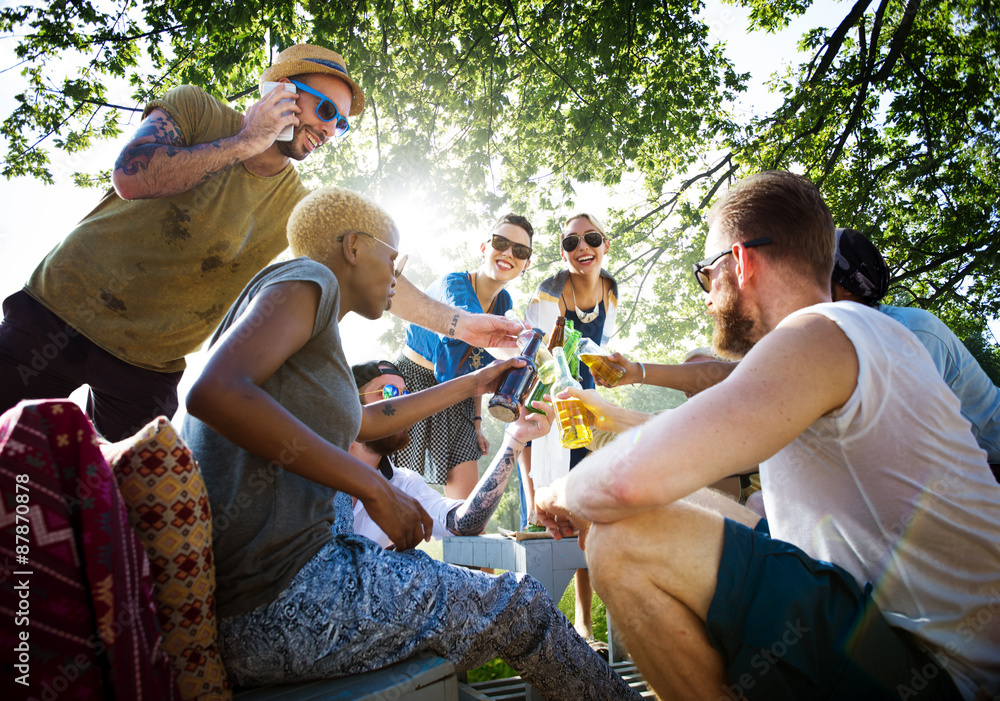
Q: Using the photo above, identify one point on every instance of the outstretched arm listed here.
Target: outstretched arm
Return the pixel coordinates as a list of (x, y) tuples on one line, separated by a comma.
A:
[(158, 163), (774, 395), (471, 517), (686, 377), (483, 330), (389, 416)]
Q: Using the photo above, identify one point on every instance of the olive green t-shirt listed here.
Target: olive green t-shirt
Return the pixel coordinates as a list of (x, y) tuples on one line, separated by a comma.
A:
[(149, 280)]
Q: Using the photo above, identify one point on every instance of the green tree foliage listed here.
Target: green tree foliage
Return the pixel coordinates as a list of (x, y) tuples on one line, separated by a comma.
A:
[(483, 106)]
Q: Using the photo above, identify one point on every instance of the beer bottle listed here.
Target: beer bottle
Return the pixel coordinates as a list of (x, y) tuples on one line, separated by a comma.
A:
[(558, 334), (574, 431), (546, 366), (596, 358), (506, 403), (570, 346), (546, 373)]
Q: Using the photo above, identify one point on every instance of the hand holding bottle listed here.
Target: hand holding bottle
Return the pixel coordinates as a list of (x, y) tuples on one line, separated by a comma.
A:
[(513, 389), (532, 424), (574, 431), (606, 372), (489, 377)]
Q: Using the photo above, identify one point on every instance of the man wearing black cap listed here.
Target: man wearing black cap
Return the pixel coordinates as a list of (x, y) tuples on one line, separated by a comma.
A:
[(378, 380), (860, 274), (201, 198)]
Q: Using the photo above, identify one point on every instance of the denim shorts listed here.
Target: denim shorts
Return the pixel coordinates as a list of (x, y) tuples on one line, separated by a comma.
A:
[(791, 627)]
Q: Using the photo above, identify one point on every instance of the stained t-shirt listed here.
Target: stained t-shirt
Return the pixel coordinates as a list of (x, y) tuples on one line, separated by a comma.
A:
[(148, 280)]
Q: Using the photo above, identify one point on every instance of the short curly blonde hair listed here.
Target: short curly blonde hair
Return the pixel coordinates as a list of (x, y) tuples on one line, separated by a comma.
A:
[(326, 214)]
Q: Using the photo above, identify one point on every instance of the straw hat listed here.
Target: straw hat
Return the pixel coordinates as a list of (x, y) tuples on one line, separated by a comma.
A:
[(307, 58)]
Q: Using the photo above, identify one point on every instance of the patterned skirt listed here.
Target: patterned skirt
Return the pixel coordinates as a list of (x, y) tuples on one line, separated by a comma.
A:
[(441, 441)]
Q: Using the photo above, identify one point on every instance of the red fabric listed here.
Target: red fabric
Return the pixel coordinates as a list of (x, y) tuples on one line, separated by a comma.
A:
[(82, 592)]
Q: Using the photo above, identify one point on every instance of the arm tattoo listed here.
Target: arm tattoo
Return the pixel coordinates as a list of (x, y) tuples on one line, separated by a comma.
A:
[(166, 139), (165, 134), (471, 517), (454, 325), (388, 410)]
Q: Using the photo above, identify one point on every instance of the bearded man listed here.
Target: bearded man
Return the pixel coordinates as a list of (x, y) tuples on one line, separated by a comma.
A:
[(872, 575)]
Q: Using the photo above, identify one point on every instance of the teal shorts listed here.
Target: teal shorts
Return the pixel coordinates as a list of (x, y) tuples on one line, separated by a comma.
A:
[(791, 627)]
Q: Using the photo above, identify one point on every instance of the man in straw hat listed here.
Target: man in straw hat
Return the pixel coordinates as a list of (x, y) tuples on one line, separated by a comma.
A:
[(201, 197)]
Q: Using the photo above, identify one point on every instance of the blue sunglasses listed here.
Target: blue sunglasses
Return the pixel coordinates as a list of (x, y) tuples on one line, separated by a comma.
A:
[(387, 392), (326, 110)]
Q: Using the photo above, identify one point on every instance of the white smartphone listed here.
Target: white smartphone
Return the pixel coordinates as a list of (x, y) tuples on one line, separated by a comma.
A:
[(286, 133)]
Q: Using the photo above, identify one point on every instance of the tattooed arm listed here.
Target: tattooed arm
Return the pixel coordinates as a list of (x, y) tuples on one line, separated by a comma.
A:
[(158, 163), (470, 517)]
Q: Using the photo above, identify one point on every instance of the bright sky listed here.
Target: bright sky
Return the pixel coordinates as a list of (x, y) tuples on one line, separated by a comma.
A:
[(38, 216)]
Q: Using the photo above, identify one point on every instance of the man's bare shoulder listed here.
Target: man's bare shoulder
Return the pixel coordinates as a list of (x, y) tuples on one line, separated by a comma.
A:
[(809, 356)]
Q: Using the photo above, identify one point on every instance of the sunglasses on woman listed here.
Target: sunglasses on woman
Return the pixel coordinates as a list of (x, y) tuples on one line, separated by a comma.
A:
[(387, 392), (593, 238), (326, 110), (520, 251), (701, 268)]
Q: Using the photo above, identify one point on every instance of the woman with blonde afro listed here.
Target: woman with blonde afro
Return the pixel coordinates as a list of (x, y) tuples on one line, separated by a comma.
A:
[(270, 420)]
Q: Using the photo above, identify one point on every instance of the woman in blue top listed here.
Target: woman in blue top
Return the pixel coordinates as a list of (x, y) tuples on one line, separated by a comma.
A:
[(445, 448)]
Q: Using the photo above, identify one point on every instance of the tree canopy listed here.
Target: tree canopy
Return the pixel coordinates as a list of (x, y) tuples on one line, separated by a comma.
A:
[(478, 106)]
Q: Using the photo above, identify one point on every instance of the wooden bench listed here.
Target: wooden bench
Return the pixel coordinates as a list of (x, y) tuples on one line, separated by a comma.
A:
[(424, 677)]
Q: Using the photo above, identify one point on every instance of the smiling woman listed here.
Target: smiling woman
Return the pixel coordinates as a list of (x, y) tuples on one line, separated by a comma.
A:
[(583, 285), (446, 447)]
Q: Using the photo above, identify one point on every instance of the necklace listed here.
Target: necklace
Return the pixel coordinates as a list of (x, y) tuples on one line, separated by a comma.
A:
[(586, 317)]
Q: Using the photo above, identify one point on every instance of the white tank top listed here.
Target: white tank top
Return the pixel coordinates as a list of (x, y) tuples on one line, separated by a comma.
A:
[(894, 488)]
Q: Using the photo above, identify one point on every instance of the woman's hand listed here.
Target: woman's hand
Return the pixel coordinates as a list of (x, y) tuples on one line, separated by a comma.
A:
[(602, 412), (489, 378), (488, 330), (399, 515)]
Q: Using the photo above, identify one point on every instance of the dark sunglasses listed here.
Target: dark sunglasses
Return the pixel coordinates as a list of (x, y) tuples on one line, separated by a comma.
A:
[(593, 239), (520, 251), (700, 272), (387, 392), (326, 110)]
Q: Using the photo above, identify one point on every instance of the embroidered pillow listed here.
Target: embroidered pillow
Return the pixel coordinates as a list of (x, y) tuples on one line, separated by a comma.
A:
[(168, 509)]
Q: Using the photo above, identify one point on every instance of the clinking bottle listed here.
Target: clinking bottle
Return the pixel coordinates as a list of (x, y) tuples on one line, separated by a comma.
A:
[(546, 365), (596, 358), (506, 402), (571, 349), (546, 373), (574, 431)]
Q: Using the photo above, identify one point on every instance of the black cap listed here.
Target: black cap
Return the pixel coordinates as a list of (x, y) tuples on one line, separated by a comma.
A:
[(859, 266), (366, 372)]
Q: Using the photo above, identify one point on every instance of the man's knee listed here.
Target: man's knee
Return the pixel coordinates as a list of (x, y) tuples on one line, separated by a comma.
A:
[(659, 545), (617, 551)]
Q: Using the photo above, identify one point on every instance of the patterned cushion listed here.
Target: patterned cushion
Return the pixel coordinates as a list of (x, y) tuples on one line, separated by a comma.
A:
[(92, 624), (168, 509)]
